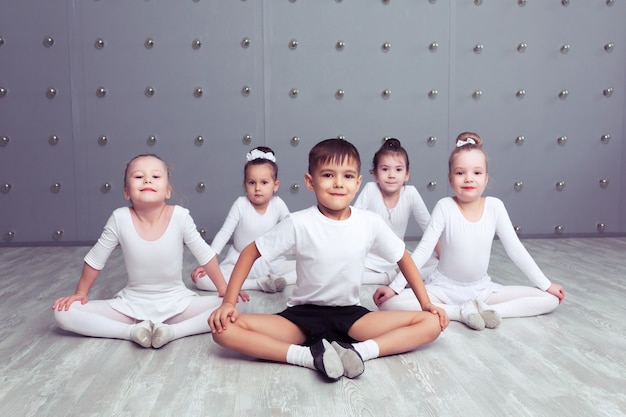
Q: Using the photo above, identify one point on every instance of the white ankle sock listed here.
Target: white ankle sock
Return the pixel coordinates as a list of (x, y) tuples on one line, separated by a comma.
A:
[(301, 356), (367, 349)]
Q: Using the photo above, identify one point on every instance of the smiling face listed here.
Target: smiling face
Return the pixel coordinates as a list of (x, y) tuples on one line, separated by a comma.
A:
[(260, 185), (391, 173), (468, 175), (335, 185), (147, 181)]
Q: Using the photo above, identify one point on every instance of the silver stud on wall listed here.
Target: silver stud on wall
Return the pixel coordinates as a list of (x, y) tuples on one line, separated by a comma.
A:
[(431, 185), (431, 141), (476, 95), (196, 44), (48, 42), (293, 44), (521, 3), (565, 48), (202, 232), (604, 182), (565, 2), (518, 185), (560, 185), (610, 3), (433, 47), (245, 42), (9, 236), (520, 93), (386, 47), (106, 187), (295, 141), (51, 92), (1, 41), (3, 92), (197, 92), (478, 2), (149, 43), (101, 92), (57, 234), (103, 140), (606, 138), (600, 227), (559, 229), (521, 48), (339, 94), (386, 94), (200, 187), (199, 141), (151, 140), (149, 91), (99, 44), (247, 139), (563, 94), (5, 188), (55, 187), (562, 140), (53, 140), (245, 91), (478, 48), (432, 94), (340, 45), (294, 187), (518, 229), (4, 141), (293, 93), (608, 92), (609, 47)]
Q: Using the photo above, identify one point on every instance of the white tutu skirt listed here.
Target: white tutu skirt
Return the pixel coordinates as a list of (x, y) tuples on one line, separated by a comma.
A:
[(455, 292)]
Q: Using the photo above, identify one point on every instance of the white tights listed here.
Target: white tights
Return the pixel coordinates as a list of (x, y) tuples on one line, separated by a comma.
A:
[(96, 318), (509, 301)]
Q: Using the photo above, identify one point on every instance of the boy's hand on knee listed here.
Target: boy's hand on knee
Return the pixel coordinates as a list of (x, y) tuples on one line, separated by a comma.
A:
[(219, 318)]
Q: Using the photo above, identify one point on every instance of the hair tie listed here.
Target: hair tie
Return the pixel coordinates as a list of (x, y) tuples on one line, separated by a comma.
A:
[(469, 141), (257, 154)]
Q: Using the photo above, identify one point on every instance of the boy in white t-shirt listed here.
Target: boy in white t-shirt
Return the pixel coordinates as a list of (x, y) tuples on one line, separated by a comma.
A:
[(324, 326)]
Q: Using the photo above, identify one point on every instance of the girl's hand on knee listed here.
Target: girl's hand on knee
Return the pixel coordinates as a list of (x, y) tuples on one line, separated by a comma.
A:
[(64, 303), (382, 294), (197, 273), (444, 320), (558, 291)]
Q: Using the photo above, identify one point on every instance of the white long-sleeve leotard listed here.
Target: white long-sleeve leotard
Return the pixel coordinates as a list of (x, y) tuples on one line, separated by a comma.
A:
[(245, 224), (409, 204), (466, 246), (155, 289)]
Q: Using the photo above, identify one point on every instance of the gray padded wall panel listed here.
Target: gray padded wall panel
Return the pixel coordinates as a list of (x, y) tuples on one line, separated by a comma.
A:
[(62, 157)]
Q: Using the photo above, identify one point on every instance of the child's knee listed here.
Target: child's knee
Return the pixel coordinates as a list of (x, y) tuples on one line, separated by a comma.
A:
[(433, 326)]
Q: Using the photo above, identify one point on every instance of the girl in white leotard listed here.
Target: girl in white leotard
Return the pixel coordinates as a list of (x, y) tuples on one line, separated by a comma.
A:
[(464, 226), (155, 307)]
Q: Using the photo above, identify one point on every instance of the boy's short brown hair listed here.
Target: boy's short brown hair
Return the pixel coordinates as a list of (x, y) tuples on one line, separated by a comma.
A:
[(332, 150)]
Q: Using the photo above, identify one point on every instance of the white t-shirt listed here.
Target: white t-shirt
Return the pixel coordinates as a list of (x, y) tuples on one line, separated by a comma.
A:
[(330, 254)]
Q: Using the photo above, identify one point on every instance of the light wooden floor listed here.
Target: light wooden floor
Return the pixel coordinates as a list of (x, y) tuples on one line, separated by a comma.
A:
[(568, 363)]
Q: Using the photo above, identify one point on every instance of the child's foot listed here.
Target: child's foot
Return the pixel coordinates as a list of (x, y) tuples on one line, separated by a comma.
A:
[(351, 360), (272, 283), (141, 333), (470, 316), (326, 360), (162, 335), (491, 317)]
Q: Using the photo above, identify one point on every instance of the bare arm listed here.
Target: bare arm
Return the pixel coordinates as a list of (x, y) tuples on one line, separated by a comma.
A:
[(219, 319), (213, 271), (87, 278), (412, 274)]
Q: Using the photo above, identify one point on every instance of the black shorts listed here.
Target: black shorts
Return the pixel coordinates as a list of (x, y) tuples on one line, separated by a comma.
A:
[(330, 323)]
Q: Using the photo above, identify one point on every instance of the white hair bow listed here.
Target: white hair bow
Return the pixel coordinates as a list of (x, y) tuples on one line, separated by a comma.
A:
[(257, 154), (469, 141)]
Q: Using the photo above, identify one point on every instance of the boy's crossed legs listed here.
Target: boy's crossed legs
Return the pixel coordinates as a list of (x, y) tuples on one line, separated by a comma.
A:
[(379, 333)]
